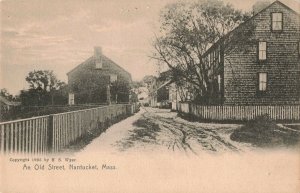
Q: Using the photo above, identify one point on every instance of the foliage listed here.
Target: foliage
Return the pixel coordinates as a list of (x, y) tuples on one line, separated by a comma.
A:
[(262, 132), (137, 84), (147, 80), (134, 97), (4, 93), (44, 89), (187, 31), (22, 112), (44, 79), (120, 90)]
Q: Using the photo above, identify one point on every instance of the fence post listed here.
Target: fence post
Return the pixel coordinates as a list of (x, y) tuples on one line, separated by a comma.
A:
[(50, 133)]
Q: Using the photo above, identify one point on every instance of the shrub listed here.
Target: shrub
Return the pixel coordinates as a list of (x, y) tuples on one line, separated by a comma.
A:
[(261, 124), (261, 132)]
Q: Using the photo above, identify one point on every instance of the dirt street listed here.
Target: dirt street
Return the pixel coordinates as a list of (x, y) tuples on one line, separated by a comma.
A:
[(161, 130)]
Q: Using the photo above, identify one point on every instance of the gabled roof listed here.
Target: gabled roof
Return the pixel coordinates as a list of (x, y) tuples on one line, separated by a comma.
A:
[(81, 65), (106, 60), (246, 22)]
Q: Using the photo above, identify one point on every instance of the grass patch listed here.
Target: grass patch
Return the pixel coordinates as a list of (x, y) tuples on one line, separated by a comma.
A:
[(264, 132), (147, 124), (145, 131)]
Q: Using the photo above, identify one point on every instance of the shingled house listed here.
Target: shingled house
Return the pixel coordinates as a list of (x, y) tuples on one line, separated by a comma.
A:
[(159, 93), (258, 63), (98, 80)]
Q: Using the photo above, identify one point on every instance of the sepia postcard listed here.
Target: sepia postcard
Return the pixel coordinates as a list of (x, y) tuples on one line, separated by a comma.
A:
[(161, 96)]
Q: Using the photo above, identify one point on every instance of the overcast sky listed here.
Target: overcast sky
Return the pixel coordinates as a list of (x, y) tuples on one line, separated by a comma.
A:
[(60, 34)]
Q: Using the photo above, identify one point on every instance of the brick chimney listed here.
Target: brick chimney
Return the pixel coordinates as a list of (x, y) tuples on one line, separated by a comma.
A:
[(98, 57), (260, 5)]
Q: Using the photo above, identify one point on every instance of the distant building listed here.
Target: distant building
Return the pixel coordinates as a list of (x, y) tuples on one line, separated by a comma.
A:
[(159, 94), (262, 68), (182, 93), (98, 80)]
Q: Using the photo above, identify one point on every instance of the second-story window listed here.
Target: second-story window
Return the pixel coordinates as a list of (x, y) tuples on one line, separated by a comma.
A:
[(276, 21), (262, 50), (113, 77)]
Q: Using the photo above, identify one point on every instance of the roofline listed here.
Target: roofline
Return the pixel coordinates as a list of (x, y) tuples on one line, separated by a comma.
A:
[(287, 7), (245, 22), (82, 63), (90, 58), (163, 85), (118, 66)]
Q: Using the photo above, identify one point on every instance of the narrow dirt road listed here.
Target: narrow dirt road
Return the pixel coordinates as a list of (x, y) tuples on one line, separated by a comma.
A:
[(161, 130), (177, 134)]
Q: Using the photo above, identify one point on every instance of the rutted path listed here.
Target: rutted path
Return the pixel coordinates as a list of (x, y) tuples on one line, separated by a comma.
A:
[(158, 130), (176, 134)]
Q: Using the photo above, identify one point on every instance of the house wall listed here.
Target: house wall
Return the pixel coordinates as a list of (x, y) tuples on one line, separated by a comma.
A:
[(153, 93), (241, 66), (174, 93), (214, 60), (163, 94), (89, 84)]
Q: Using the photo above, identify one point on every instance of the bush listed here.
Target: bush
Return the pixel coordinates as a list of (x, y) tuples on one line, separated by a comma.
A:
[(262, 131), (261, 124)]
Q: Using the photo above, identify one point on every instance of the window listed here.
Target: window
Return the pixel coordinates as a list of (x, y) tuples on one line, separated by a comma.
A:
[(219, 82), (98, 63), (113, 77), (276, 21), (71, 99), (262, 50), (262, 81), (216, 57)]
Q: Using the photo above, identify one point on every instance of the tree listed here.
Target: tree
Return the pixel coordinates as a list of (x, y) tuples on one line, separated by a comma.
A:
[(136, 84), (148, 79), (4, 93), (44, 79), (43, 87), (120, 91), (187, 31)]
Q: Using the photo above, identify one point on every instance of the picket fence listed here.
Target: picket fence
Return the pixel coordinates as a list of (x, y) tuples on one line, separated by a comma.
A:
[(51, 133), (221, 113)]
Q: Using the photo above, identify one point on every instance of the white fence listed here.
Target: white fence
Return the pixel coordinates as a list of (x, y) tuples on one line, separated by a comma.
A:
[(51, 133), (25, 135), (239, 112)]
